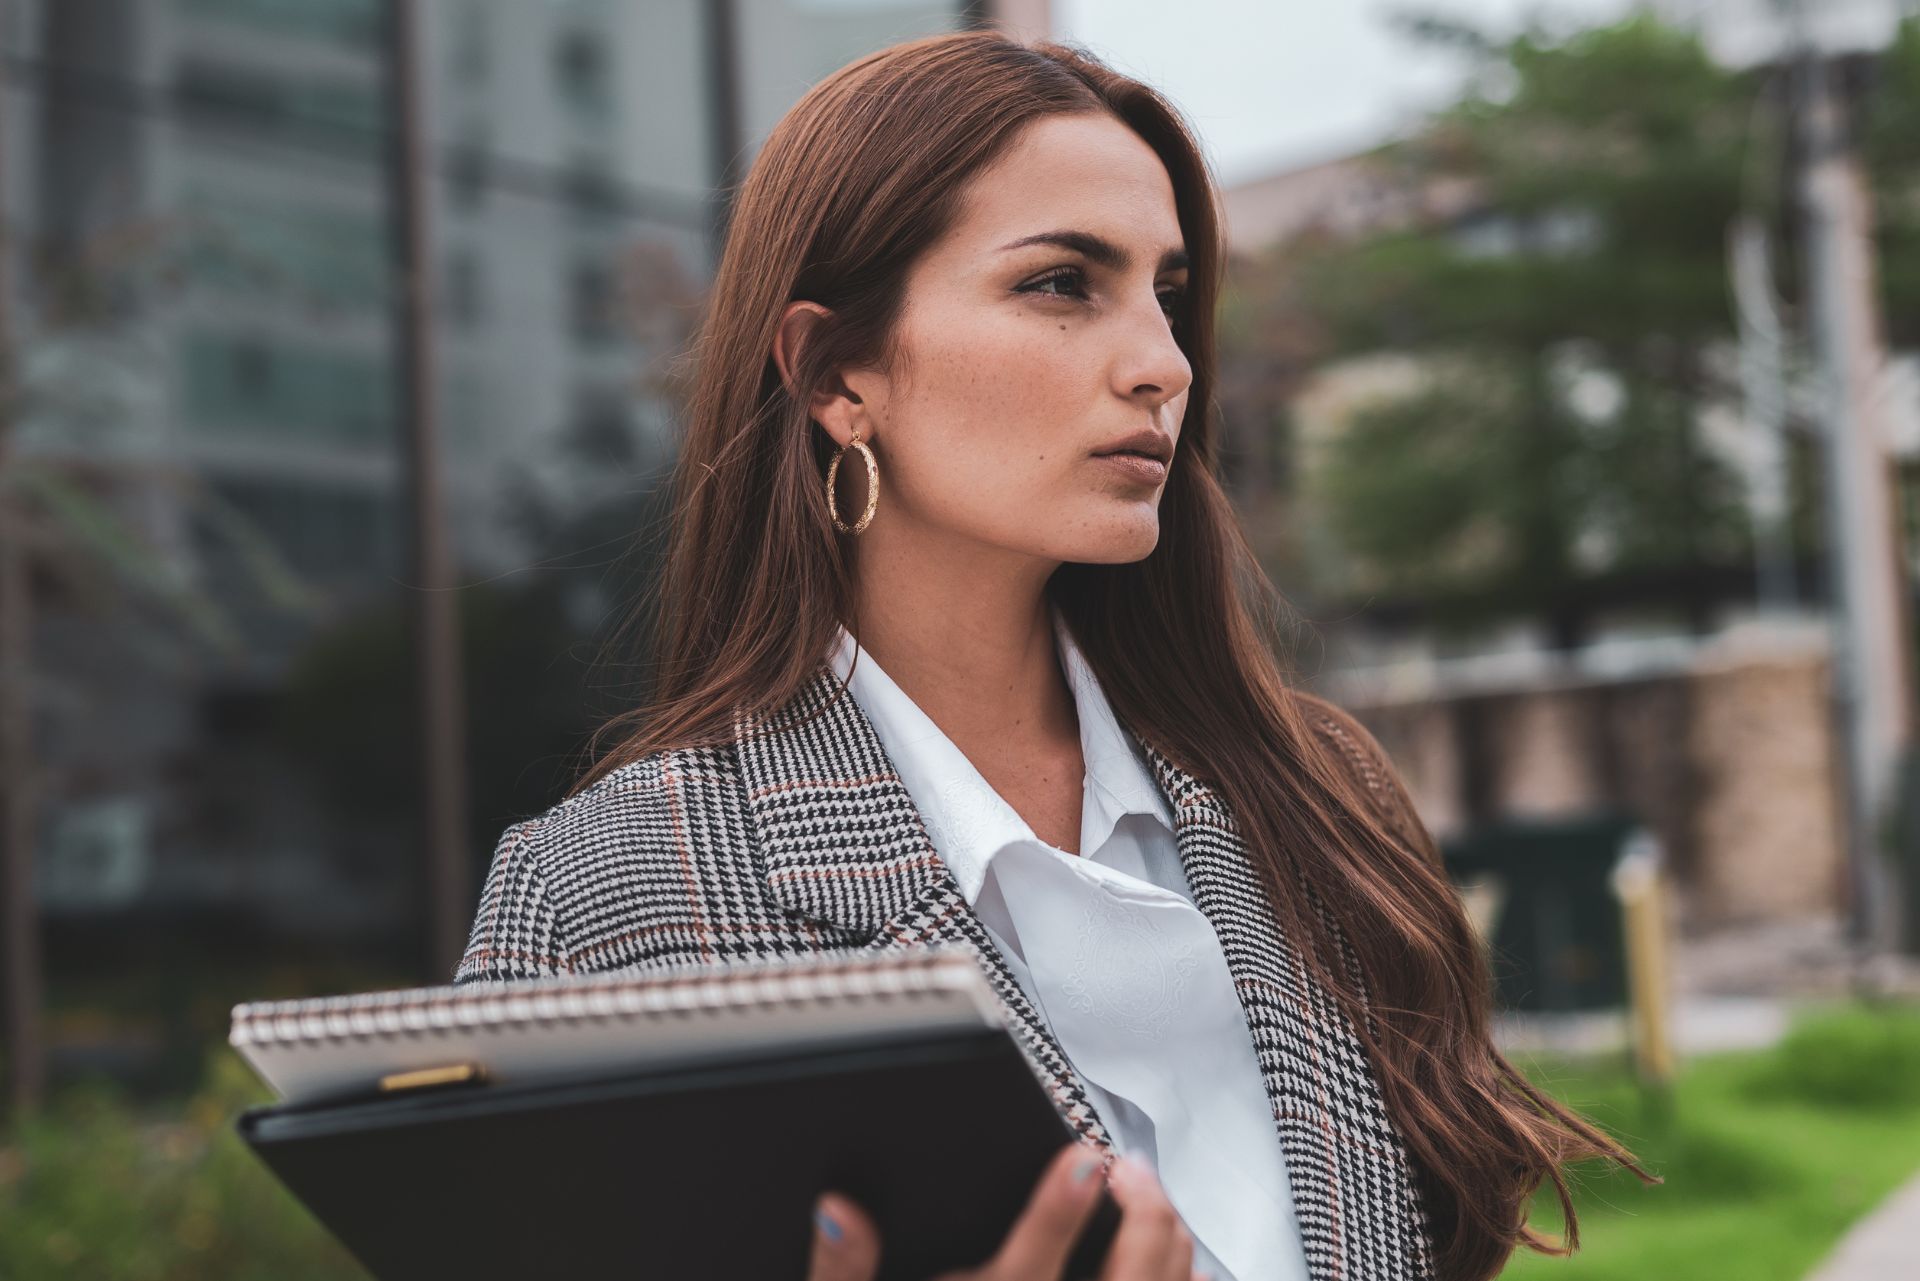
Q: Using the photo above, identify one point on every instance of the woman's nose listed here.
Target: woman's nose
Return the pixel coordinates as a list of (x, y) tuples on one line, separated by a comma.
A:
[(1156, 368)]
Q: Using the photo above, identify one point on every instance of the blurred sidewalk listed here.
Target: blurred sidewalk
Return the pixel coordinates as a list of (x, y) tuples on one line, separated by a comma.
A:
[(1701, 1025), (1884, 1246), (1733, 989)]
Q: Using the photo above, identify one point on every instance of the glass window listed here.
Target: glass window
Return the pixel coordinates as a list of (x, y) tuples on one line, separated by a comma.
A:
[(463, 288), (332, 531), (583, 73), (279, 388), (788, 45), (297, 253), (592, 191), (469, 168), (353, 23), (328, 110), (594, 303), (469, 42)]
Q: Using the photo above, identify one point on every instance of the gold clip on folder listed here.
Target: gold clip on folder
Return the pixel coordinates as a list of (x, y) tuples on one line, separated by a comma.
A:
[(451, 1074)]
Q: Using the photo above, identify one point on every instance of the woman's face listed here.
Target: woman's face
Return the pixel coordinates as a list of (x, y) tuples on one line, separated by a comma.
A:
[(1021, 360)]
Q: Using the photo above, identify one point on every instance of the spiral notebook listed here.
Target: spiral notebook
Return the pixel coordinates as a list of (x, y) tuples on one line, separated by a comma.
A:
[(658, 1123)]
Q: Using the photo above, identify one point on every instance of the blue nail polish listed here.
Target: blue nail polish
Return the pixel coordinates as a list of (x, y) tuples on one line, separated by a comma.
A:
[(827, 1225)]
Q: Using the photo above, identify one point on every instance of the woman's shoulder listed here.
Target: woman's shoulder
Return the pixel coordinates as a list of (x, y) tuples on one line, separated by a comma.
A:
[(1353, 745), (566, 888), (634, 793)]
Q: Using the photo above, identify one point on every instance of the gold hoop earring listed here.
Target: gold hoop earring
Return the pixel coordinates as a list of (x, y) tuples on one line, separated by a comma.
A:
[(873, 485)]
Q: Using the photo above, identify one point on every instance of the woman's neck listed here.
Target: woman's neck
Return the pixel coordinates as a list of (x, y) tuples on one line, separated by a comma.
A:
[(978, 657)]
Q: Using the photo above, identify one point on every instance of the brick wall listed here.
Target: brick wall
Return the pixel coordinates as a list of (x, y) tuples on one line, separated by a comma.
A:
[(1730, 763)]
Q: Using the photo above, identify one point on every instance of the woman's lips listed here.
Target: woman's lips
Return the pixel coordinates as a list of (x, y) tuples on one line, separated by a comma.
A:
[(1148, 471)]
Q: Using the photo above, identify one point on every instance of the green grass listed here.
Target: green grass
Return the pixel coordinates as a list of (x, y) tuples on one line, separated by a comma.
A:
[(97, 1187), (1767, 1158)]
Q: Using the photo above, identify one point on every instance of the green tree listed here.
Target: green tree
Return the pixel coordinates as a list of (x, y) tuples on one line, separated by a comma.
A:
[(1567, 315)]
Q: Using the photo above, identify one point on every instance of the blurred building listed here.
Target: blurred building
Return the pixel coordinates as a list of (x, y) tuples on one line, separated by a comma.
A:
[(204, 290)]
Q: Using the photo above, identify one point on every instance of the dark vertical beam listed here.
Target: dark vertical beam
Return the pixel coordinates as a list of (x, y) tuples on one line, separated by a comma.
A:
[(727, 162), (19, 921), (450, 895), (1599, 715), (1474, 748)]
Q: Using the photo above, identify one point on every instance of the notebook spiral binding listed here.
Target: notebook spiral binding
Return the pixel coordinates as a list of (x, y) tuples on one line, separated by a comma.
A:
[(684, 992)]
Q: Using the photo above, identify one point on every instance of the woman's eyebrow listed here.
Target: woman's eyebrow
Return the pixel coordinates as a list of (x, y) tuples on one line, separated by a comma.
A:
[(1104, 252)]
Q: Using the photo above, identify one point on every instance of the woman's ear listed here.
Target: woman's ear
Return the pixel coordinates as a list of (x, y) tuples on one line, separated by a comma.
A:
[(836, 407)]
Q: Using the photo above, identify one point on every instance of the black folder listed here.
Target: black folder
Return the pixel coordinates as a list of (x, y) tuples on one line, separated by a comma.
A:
[(705, 1166)]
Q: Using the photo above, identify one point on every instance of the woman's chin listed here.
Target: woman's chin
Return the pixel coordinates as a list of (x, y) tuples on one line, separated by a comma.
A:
[(1129, 541)]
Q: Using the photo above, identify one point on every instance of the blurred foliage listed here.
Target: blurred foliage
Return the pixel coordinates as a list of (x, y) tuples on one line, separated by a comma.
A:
[(548, 655), (1549, 269), (1847, 1060), (151, 1023), (1605, 169), (356, 682), (1767, 1157), (90, 1189)]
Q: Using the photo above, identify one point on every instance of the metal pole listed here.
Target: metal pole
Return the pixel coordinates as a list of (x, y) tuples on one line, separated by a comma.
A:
[(1763, 387), (1870, 656), (449, 881), (1639, 882), (19, 919)]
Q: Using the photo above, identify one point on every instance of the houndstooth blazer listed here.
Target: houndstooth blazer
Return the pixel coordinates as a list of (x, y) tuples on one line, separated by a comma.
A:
[(799, 836)]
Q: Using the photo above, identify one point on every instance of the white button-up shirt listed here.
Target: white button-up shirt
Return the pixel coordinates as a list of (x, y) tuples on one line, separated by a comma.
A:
[(1113, 953)]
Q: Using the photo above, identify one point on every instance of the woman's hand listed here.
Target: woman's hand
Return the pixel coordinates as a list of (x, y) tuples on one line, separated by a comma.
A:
[(1151, 1245)]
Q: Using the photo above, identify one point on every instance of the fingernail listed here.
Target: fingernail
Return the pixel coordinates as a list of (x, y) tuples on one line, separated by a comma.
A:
[(827, 1225), (1088, 1164)]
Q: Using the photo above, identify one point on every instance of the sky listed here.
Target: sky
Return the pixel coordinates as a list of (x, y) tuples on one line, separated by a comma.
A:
[(1273, 84)]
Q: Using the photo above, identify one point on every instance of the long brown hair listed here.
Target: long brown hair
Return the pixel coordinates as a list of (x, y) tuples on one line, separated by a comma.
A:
[(857, 180)]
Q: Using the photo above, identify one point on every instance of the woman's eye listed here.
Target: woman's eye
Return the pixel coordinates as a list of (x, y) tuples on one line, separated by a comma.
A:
[(1068, 276), (1171, 300)]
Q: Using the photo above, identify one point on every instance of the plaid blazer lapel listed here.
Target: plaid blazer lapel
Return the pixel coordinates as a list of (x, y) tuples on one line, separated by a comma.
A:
[(1359, 1214), (843, 843)]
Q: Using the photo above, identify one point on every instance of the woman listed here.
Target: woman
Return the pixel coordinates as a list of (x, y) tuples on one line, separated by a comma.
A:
[(988, 683)]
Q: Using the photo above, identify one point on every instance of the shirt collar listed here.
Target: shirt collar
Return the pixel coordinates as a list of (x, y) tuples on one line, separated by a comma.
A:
[(967, 819)]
